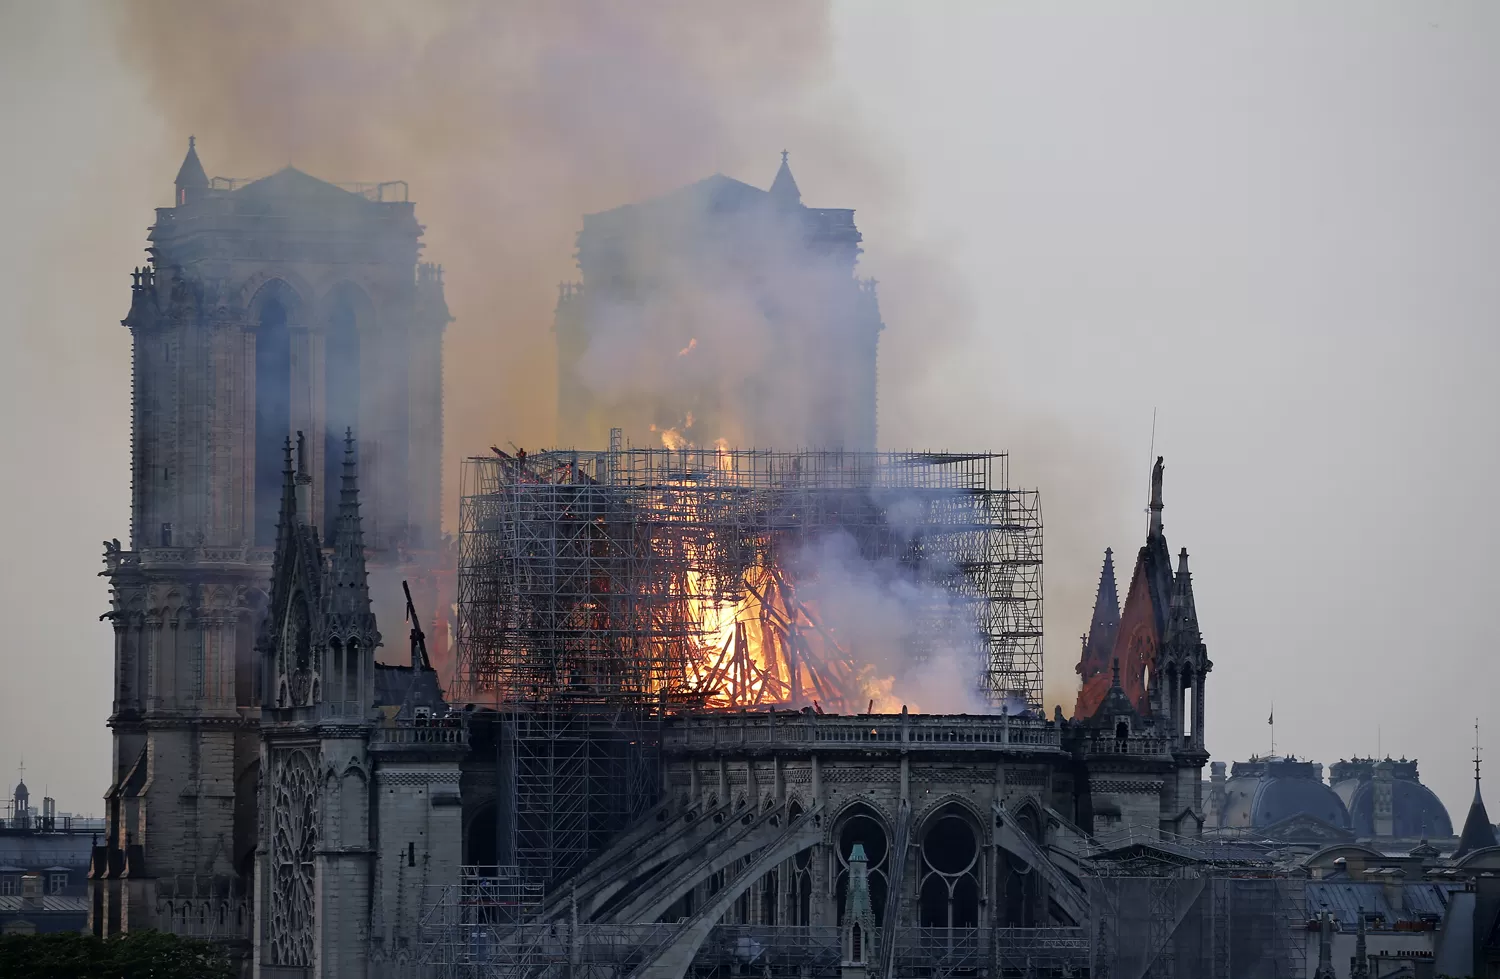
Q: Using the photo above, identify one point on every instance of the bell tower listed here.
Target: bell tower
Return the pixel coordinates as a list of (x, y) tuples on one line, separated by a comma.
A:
[(266, 308)]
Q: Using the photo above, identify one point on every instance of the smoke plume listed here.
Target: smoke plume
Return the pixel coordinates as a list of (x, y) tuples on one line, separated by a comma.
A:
[(509, 120), (512, 120)]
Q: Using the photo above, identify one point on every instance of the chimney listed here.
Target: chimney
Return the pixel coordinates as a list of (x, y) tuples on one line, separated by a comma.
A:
[(31, 892)]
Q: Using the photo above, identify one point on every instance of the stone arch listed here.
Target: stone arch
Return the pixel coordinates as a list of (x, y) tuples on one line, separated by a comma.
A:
[(260, 286), (1018, 884), (834, 817), (354, 805), (1031, 819), (932, 809), (861, 821)]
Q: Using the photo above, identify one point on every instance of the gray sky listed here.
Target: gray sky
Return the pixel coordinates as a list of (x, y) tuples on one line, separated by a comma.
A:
[(1273, 225)]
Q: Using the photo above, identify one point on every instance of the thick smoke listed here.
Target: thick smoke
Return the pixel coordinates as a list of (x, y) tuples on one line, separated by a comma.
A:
[(898, 624), (511, 121), (709, 318)]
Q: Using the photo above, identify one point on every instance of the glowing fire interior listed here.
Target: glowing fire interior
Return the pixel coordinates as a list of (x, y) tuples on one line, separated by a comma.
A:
[(768, 648)]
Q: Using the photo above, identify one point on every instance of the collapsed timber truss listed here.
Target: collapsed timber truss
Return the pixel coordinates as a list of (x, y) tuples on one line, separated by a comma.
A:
[(664, 578)]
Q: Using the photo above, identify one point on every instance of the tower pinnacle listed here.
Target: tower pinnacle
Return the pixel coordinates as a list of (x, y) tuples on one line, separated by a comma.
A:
[(784, 188), (191, 178), (1478, 833)]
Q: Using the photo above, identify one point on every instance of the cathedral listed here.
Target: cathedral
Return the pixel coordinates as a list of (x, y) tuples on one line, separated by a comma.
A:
[(284, 784)]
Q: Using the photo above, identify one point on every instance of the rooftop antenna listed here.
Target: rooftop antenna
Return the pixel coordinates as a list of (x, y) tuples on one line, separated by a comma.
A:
[(1476, 754), (1151, 458), (1271, 720)]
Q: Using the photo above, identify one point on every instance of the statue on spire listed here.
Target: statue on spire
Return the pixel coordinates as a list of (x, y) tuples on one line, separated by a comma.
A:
[(1156, 504)]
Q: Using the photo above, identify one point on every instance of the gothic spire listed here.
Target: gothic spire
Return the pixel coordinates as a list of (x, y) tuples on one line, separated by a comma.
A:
[(1106, 622), (287, 521), (784, 188), (349, 590), (1478, 833), (191, 177), (1182, 620), (1325, 947)]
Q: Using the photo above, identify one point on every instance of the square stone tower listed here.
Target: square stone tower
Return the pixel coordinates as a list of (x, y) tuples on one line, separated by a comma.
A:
[(267, 308)]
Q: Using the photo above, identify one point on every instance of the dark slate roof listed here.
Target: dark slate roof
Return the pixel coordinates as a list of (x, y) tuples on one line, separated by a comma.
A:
[(1418, 812), (401, 686), (1478, 833), (1346, 899)]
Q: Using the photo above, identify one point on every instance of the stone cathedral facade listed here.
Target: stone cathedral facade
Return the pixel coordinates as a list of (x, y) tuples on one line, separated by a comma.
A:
[(281, 306)]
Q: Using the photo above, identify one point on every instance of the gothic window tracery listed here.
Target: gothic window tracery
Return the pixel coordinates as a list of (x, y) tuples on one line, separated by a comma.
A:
[(860, 825), (294, 844), (299, 672), (949, 889)]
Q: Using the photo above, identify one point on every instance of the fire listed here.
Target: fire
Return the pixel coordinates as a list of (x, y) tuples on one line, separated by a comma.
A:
[(768, 648)]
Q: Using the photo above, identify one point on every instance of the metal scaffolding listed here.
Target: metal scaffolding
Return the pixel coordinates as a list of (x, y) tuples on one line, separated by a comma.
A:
[(660, 578)]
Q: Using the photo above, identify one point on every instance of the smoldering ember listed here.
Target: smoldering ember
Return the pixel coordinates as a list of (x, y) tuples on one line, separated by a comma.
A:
[(716, 689)]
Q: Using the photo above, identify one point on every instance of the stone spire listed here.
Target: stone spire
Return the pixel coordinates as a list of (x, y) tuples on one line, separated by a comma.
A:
[(1361, 966), (1478, 833), (191, 181), (1182, 620), (348, 588), (1325, 947), (859, 917), (1106, 622), (784, 188)]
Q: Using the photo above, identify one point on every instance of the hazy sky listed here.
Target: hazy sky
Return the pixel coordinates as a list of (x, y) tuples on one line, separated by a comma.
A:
[(1274, 226)]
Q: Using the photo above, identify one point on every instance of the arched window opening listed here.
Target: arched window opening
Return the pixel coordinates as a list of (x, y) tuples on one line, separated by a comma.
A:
[(336, 673), (857, 950), (480, 847), (351, 678), (1185, 711), (860, 825), (341, 401), (273, 407), (949, 893)]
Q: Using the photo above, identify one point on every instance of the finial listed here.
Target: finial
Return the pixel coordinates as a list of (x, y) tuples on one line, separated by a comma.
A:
[(784, 155), (192, 142), (1476, 752)]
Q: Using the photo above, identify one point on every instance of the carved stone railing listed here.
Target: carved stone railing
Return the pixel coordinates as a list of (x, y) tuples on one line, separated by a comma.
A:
[(181, 557), (1138, 746), (941, 732), (441, 731)]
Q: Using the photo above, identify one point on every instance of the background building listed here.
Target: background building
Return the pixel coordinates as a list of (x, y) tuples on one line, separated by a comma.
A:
[(44, 862)]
